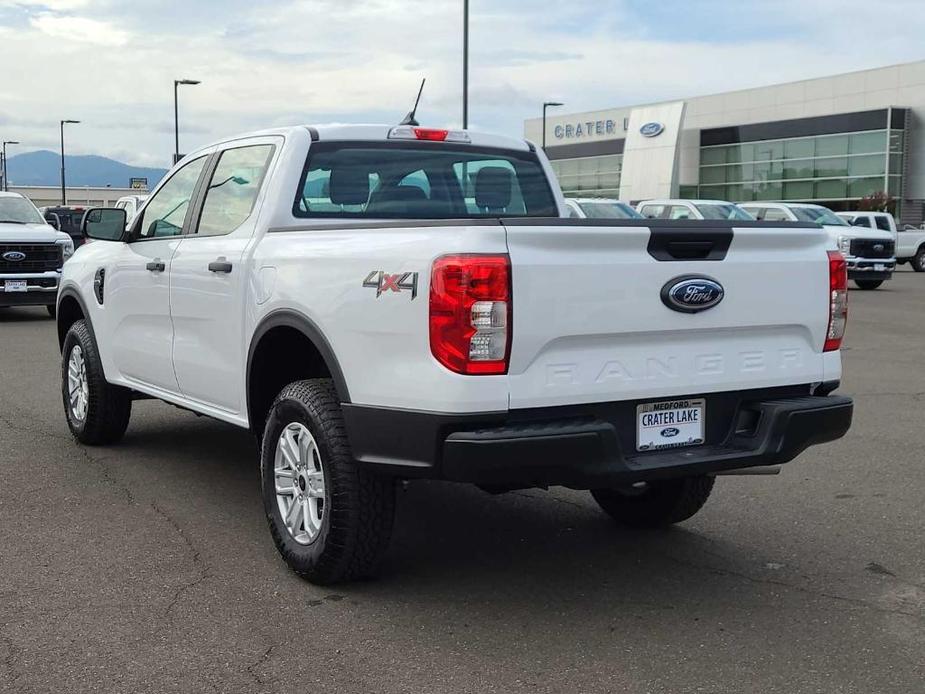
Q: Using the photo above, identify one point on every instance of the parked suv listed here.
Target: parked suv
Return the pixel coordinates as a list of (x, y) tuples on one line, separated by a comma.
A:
[(869, 252), (383, 303), (910, 242), (31, 254)]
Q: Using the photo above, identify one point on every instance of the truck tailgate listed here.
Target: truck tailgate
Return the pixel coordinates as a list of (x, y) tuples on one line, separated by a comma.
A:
[(590, 325)]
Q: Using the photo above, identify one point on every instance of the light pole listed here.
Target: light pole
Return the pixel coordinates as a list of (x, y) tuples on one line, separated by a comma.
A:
[(465, 64), (63, 187), (547, 104), (176, 117), (6, 182)]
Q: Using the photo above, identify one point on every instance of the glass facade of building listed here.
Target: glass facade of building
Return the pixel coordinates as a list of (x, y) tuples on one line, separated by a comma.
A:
[(597, 177), (829, 168)]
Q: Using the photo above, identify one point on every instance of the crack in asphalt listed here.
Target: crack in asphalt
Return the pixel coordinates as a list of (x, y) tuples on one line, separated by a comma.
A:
[(83, 451), (252, 668), (195, 557)]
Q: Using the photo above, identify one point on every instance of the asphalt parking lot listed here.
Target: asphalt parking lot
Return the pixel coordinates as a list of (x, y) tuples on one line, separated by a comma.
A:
[(148, 567)]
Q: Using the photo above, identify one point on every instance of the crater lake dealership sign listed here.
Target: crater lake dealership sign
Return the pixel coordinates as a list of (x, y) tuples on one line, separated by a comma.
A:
[(573, 131)]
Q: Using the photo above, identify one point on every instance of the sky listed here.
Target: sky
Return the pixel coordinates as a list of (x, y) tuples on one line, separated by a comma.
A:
[(111, 63)]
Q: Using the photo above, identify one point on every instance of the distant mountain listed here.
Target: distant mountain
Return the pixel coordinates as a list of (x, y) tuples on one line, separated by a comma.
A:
[(43, 168)]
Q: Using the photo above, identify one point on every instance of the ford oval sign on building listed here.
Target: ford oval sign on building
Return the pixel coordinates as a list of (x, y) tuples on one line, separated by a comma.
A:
[(653, 129), (692, 294)]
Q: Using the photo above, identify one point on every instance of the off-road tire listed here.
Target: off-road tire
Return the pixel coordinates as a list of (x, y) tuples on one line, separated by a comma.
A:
[(918, 260), (109, 407), (359, 506), (659, 504), (867, 285)]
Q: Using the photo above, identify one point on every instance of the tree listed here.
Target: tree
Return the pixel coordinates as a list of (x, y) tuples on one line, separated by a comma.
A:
[(877, 202)]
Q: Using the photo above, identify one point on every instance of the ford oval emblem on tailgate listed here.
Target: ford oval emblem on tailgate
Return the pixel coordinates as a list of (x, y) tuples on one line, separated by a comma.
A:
[(692, 293), (14, 256)]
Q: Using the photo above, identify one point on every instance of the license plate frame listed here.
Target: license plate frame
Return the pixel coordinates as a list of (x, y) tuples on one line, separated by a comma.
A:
[(879, 267), (15, 286), (681, 424)]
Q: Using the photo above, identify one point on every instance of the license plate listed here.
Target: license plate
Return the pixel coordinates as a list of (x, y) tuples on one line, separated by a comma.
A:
[(669, 424), (879, 267), (14, 286)]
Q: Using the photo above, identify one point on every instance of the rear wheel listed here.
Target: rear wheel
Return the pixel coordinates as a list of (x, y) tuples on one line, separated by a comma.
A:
[(918, 260), (868, 284), (97, 412), (655, 504), (331, 519)]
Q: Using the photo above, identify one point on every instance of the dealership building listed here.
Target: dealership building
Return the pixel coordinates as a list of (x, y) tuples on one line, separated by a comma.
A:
[(832, 140)]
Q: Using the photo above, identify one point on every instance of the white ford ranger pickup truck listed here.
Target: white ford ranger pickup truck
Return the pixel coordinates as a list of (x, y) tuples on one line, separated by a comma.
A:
[(387, 303)]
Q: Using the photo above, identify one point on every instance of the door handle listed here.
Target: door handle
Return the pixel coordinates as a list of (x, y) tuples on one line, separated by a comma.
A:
[(220, 265), (156, 265)]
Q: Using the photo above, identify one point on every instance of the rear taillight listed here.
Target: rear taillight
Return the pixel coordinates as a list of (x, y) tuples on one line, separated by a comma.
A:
[(470, 313), (838, 301)]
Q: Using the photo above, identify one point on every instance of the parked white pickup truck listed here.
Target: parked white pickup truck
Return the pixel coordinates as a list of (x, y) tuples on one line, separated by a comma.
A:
[(910, 242), (381, 303), (31, 254), (869, 252)]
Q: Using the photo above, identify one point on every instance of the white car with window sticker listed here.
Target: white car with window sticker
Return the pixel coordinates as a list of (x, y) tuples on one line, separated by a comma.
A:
[(692, 209), (383, 303), (600, 208)]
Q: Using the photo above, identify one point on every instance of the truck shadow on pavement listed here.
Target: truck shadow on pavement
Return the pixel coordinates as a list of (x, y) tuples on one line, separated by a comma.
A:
[(447, 536)]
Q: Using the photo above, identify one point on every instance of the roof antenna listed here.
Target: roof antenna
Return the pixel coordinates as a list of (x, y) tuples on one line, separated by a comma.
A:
[(410, 119)]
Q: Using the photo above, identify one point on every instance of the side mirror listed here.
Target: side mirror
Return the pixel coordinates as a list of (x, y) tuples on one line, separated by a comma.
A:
[(53, 220), (104, 224)]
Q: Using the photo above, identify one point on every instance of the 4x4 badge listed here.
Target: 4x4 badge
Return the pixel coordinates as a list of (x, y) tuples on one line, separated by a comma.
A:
[(384, 282)]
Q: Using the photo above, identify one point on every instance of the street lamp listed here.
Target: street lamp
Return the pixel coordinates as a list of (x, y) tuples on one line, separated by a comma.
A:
[(176, 117), (63, 188), (6, 183), (465, 64), (547, 104)]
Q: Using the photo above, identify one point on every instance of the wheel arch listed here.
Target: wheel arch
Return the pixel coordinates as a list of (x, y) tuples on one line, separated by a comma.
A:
[(270, 366), (71, 308)]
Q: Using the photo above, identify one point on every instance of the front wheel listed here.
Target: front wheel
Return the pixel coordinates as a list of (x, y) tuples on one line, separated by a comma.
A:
[(868, 284), (918, 260), (655, 504), (331, 519), (97, 412)]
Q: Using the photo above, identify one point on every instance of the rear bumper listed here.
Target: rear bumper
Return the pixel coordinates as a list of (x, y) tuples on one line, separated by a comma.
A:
[(592, 446)]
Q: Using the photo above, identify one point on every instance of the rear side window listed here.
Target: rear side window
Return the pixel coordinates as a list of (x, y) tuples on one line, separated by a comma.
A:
[(233, 189), (772, 215), (882, 223), (399, 180)]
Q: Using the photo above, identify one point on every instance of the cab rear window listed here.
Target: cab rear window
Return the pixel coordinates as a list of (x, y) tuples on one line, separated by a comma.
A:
[(400, 180)]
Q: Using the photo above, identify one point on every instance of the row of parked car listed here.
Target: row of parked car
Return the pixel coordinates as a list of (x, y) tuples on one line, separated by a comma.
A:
[(870, 241)]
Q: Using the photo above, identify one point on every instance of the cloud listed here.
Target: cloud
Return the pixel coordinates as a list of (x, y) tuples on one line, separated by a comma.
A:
[(290, 61), (79, 29)]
